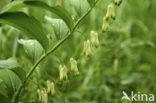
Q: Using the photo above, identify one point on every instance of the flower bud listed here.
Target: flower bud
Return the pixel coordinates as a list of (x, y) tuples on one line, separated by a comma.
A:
[(94, 38), (50, 86), (105, 26), (87, 48), (118, 2), (110, 12), (43, 97), (63, 72), (74, 67)]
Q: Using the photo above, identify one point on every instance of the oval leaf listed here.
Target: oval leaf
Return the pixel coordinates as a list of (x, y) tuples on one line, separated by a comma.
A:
[(13, 66), (10, 79), (27, 24), (59, 27), (33, 49)]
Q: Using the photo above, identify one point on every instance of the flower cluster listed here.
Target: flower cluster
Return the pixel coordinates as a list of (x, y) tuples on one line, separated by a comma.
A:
[(64, 71), (110, 14), (43, 94), (87, 51), (50, 88), (94, 41)]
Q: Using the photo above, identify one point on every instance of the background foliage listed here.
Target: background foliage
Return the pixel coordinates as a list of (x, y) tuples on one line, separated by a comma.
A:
[(125, 60)]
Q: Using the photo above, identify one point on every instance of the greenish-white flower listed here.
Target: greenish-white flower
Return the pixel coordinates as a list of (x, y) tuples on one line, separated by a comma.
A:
[(63, 72), (50, 87), (87, 48), (74, 67), (94, 38), (110, 11), (105, 26)]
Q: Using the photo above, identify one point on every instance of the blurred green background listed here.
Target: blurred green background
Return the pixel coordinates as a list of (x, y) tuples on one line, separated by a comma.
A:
[(125, 60)]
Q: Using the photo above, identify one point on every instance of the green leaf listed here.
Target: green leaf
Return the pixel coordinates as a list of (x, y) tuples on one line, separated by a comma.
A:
[(80, 6), (60, 28), (61, 12), (12, 65), (4, 99), (9, 63), (91, 2), (13, 6), (33, 49), (10, 79), (27, 24)]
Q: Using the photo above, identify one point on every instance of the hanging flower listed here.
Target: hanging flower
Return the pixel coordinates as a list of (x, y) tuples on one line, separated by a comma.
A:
[(105, 26), (63, 72), (51, 88), (74, 67), (87, 48), (110, 11), (94, 38), (42, 96), (45, 98)]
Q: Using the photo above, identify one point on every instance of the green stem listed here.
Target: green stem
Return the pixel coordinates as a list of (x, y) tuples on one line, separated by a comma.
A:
[(16, 96)]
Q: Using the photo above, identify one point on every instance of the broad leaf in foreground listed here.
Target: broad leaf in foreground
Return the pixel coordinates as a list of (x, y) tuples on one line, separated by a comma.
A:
[(12, 65), (27, 24), (59, 27), (10, 79), (33, 49), (58, 10)]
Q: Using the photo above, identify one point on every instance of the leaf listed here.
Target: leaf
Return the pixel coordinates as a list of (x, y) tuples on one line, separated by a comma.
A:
[(27, 24), (10, 79), (33, 49), (13, 6), (9, 63), (59, 26), (80, 6), (12, 65), (91, 2), (61, 12), (4, 99)]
